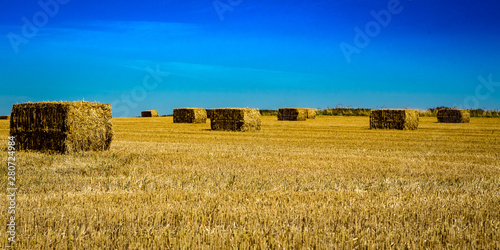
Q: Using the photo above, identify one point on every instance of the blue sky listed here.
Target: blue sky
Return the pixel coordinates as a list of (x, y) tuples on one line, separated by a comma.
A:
[(259, 54)]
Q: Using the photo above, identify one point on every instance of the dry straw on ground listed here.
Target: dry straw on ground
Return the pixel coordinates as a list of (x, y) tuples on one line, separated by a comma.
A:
[(149, 113), (5, 117), (62, 126), (311, 113), (236, 119), (292, 114), (334, 185), (190, 115), (210, 113), (404, 119), (453, 116)]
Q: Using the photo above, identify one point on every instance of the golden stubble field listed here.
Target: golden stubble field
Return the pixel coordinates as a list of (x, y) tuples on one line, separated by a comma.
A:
[(323, 183)]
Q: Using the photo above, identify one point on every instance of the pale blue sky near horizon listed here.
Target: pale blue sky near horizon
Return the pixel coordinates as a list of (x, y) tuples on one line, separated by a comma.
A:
[(259, 54)]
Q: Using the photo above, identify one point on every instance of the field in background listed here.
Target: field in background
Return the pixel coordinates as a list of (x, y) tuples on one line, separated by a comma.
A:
[(319, 183), (347, 111)]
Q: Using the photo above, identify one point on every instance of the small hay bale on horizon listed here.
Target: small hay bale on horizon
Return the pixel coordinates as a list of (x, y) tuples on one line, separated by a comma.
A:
[(453, 116), (311, 113), (4, 117), (190, 115), (236, 119), (292, 114), (149, 113), (402, 119), (62, 126)]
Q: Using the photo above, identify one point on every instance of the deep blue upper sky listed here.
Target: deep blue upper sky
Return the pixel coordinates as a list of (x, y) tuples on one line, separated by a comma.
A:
[(260, 54)]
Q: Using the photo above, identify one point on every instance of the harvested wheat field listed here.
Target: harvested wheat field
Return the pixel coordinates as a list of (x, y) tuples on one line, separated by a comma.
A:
[(328, 183)]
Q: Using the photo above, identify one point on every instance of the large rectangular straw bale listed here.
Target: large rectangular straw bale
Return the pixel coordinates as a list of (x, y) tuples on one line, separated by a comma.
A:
[(311, 113), (404, 119), (190, 115), (149, 113), (453, 116), (62, 126), (235, 119), (210, 113), (292, 114), (5, 117)]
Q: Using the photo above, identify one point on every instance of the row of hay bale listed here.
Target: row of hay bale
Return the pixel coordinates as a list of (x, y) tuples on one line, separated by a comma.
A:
[(82, 126), (407, 119), (237, 119), (199, 115), (230, 119), (404, 119)]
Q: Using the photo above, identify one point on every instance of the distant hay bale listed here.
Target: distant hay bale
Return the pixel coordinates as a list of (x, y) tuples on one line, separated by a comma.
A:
[(149, 113), (404, 119), (292, 114), (5, 117), (190, 115), (62, 126), (453, 116), (210, 113), (235, 119), (311, 113)]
